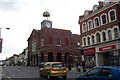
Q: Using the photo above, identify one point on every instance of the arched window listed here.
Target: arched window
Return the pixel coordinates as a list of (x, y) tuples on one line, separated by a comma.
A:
[(97, 37), (42, 42), (103, 36), (84, 41), (109, 35), (93, 41), (58, 41), (88, 40), (50, 57), (90, 25), (112, 15), (33, 45), (103, 19), (116, 33), (96, 22), (59, 57), (84, 27), (66, 58)]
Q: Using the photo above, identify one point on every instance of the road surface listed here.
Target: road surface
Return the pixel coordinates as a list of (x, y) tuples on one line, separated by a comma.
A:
[(27, 73)]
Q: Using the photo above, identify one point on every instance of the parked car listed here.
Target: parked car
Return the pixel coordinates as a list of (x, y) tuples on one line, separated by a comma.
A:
[(101, 73), (51, 69)]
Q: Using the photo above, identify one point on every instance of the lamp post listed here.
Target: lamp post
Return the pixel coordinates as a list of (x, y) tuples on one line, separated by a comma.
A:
[(83, 57), (81, 50), (1, 39)]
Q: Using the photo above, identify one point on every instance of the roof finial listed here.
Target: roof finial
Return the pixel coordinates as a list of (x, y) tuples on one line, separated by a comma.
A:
[(46, 14)]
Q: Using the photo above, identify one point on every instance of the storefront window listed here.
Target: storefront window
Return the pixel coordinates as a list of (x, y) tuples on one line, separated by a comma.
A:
[(90, 60), (111, 58)]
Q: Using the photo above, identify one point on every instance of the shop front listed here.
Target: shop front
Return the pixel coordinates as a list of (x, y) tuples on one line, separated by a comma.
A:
[(108, 55), (89, 54)]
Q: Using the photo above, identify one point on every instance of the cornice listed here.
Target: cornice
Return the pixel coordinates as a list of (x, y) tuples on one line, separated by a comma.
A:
[(97, 11)]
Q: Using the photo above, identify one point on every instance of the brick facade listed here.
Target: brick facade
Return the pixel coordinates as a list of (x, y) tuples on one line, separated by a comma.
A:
[(52, 45), (103, 32)]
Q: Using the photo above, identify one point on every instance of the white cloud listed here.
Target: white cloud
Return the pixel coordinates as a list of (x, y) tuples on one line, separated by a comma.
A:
[(8, 5), (24, 15)]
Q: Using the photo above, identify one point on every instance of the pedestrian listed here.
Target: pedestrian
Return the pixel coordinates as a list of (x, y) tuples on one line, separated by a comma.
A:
[(83, 66), (78, 66)]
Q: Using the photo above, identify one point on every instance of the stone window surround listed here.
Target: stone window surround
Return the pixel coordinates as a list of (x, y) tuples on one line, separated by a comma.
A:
[(85, 27), (106, 31), (89, 25), (100, 20), (109, 15)]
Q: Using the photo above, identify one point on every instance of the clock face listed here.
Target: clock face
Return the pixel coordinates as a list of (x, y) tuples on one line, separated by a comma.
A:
[(48, 24)]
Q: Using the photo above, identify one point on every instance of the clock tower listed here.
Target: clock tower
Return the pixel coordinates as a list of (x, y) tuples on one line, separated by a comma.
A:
[(46, 23)]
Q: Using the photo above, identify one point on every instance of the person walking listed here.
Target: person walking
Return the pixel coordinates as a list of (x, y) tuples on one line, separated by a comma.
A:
[(78, 66), (83, 66)]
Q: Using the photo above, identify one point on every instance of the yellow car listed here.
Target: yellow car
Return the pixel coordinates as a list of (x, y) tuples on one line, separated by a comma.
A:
[(51, 69)]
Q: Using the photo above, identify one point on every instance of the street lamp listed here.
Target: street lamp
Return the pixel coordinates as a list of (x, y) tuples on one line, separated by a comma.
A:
[(81, 50), (83, 57), (1, 39), (3, 28)]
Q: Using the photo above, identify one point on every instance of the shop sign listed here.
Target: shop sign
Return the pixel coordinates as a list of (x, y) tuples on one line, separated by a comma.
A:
[(89, 51), (107, 48)]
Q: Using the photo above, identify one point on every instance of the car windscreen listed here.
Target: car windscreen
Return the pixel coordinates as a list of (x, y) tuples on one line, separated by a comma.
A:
[(57, 65)]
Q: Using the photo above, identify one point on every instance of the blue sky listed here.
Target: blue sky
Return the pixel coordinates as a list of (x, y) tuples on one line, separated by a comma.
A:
[(21, 16)]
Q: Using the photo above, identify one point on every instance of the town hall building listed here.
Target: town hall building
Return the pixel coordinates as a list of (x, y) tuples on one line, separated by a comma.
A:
[(51, 44)]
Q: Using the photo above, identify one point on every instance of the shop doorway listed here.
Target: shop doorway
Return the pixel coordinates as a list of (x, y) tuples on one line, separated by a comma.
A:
[(90, 60)]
